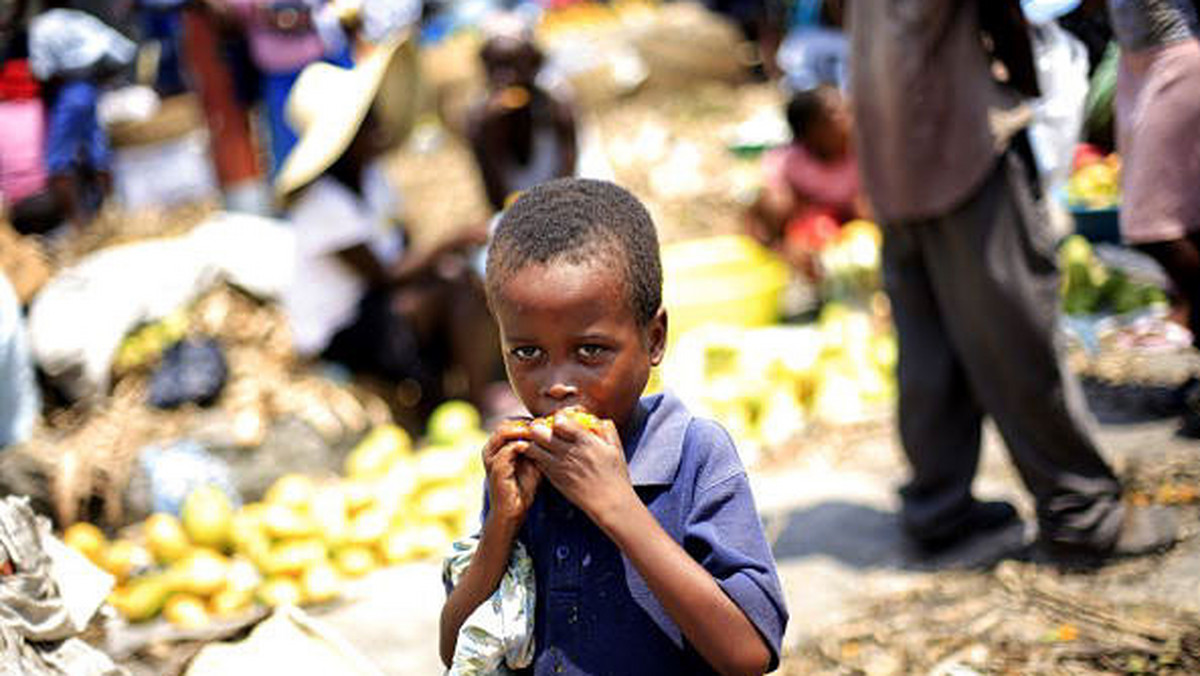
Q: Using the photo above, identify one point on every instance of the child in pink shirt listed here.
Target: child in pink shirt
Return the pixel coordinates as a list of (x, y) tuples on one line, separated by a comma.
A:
[(811, 185)]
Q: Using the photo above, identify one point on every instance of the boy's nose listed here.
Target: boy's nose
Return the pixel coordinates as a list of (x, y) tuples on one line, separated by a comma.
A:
[(561, 392)]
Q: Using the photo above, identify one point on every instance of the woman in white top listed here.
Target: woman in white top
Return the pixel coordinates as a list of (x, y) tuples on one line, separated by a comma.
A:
[(359, 298)]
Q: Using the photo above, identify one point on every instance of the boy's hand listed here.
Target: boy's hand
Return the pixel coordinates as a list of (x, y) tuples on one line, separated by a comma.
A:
[(586, 464), (512, 478)]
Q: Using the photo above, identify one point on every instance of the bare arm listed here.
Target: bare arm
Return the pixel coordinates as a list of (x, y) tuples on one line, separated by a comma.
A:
[(480, 581), (512, 484), (590, 471)]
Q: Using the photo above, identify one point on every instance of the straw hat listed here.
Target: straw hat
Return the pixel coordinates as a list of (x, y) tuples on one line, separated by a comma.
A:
[(328, 104)]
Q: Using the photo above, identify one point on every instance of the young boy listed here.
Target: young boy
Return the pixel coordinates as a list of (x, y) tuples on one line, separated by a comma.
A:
[(648, 553)]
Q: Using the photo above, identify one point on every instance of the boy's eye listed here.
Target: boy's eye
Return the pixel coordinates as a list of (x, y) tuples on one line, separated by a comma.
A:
[(591, 351), (525, 352)]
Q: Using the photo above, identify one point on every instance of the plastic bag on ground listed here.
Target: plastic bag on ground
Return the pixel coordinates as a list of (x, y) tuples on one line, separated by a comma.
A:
[(48, 599)]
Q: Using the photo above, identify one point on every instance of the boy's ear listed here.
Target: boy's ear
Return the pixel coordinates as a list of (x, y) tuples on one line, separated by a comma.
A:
[(656, 336)]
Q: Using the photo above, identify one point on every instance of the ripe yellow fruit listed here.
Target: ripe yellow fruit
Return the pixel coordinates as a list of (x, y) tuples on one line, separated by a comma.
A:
[(123, 558), (207, 516), (283, 522), (186, 611), (450, 421), (328, 511), (202, 572), (86, 539), (377, 451), (229, 603), (165, 537), (368, 526), (291, 490), (431, 539), (359, 494), (142, 598), (295, 556), (320, 583), (397, 546), (355, 561), (280, 591)]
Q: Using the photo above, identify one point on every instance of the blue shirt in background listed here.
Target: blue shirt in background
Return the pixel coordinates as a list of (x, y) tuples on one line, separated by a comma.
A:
[(595, 614)]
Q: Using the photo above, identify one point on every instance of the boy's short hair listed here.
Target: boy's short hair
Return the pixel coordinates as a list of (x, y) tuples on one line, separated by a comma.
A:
[(580, 220)]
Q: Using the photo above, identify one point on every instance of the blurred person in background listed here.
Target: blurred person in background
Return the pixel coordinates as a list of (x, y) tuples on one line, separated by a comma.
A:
[(227, 87), (411, 319), (162, 23), (1158, 115), (284, 37), (24, 189), (74, 54), (969, 267), (522, 133), (811, 185)]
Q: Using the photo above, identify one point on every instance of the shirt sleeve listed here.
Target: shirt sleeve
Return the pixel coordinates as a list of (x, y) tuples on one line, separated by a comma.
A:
[(724, 534), (328, 219)]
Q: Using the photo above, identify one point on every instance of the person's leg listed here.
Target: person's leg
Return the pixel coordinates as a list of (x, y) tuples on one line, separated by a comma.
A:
[(993, 267), (66, 136), (939, 418)]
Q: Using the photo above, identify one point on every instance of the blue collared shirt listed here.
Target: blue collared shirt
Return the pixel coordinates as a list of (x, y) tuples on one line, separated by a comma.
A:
[(595, 614)]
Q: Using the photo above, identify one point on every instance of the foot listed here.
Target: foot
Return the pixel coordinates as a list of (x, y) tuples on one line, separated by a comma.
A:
[(981, 518), (1144, 531)]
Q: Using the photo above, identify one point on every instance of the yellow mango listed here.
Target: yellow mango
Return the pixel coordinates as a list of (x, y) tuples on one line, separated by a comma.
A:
[(186, 611), (202, 572), (123, 558), (207, 517), (295, 556), (280, 591), (368, 526), (355, 561), (320, 583), (377, 451), (229, 603), (281, 521), (86, 539), (291, 490), (165, 537), (328, 511), (142, 598)]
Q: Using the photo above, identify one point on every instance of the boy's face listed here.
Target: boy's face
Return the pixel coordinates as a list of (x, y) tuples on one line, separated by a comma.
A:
[(570, 338)]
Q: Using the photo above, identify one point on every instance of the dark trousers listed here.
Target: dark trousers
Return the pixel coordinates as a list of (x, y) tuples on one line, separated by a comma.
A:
[(974, 296)]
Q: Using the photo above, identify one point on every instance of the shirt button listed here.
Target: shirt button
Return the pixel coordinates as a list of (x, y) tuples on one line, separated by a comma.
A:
[(562, 552)]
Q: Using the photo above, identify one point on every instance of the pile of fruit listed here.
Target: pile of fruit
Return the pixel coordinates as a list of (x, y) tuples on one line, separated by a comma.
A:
[(1095, 181), (850, 262), (299, 544), (1090, 287), (766, 385)]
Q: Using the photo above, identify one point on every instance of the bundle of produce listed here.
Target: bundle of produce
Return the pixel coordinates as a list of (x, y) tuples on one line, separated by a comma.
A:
[(1095, 181), (392, 504), (1091, 287)]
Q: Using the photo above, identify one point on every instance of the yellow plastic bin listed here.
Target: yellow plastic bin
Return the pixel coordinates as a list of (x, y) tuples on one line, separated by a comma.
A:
[(729, 280)]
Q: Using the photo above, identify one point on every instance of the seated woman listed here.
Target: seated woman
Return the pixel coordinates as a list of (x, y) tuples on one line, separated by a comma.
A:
[(810, 185), (359, 299), (522, 133)]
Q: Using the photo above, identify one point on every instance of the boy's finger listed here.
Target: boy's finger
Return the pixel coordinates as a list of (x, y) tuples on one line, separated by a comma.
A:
[(506, 432), (549, 439), (608, 432), (540, 456)]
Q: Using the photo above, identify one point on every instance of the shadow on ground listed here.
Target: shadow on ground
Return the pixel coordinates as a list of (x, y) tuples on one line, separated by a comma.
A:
[(867, 538)]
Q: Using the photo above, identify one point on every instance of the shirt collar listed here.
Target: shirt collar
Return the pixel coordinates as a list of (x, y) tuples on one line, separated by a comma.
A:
[(657, 446)]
